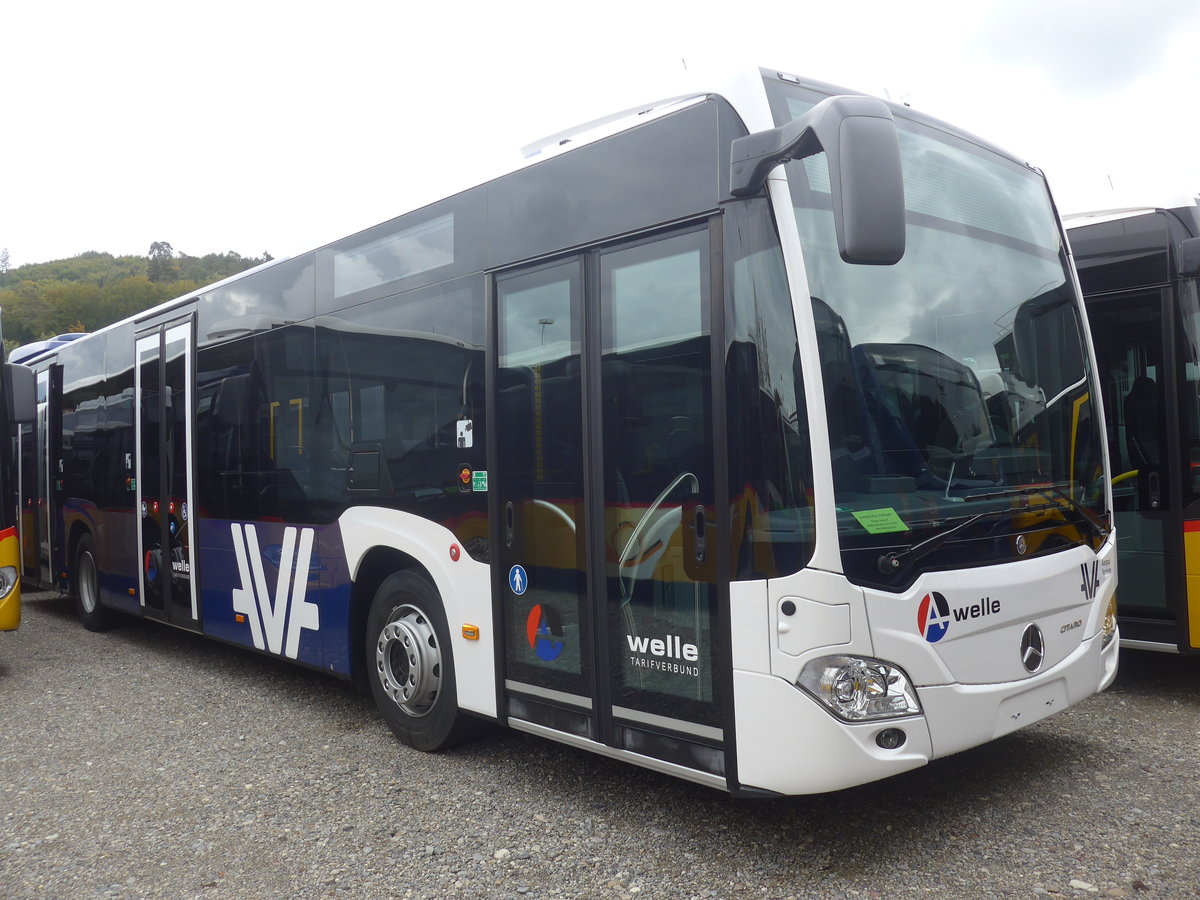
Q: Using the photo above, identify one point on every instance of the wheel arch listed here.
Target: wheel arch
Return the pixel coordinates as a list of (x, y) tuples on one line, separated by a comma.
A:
[(378, 542), (378, 563)]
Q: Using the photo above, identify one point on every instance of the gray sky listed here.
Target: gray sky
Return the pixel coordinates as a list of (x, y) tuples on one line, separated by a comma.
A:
[(279, 126)]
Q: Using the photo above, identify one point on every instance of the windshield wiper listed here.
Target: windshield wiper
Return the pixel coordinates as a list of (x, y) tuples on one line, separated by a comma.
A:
[(889, 563), (1095, 525)]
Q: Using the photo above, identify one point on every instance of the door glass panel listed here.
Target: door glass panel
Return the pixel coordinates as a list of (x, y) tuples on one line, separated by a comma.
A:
[(149, 473), (1127, 331), (658, 482), (540, 473), (42, 489), (1189, 389), (164, 410), (177, 516)]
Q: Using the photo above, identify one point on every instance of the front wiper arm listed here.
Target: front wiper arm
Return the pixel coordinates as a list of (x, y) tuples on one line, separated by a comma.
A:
[(891, 562)]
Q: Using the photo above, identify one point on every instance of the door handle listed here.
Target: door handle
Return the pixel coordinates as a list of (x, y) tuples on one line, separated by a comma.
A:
[(509, 530), (1153, 490), (701, 535)]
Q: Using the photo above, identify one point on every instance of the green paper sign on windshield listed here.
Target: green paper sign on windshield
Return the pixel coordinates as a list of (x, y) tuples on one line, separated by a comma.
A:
[(880, 521)]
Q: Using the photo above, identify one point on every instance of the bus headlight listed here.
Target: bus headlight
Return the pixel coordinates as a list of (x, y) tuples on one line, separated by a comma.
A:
[(1109, 629), (8, 580), (860, 689)]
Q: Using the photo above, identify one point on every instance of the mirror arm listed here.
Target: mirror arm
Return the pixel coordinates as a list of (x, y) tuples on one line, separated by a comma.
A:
[(862, 147)]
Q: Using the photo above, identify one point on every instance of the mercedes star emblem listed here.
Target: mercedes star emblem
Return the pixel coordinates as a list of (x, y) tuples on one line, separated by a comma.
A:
[(1033, 648)]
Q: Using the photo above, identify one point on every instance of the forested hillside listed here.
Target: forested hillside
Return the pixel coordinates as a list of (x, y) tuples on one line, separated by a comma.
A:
[(91, 290)]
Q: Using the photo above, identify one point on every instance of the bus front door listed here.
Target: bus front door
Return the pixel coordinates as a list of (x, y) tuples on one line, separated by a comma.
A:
[(163, 449), (606, 501)]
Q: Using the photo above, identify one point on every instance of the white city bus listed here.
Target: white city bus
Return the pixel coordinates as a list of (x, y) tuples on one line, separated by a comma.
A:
[(751, 438)]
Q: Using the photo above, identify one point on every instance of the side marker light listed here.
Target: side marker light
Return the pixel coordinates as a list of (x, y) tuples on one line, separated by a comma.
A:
[(470, 632)]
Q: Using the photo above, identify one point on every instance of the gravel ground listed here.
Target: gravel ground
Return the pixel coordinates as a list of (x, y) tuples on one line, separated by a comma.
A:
[(147, 762)]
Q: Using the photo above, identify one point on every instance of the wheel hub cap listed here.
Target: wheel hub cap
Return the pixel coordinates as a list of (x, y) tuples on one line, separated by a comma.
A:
[(408, 661)]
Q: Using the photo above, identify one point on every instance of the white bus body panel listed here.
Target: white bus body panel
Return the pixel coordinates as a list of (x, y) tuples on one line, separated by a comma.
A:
[(990, 607), (465, 586), (972, 690)]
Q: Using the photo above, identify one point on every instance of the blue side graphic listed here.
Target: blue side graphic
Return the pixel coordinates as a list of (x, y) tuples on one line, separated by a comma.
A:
[(326, 585)]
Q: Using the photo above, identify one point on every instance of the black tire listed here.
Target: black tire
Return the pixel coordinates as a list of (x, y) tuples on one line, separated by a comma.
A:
[(85, 589), (410, 664)]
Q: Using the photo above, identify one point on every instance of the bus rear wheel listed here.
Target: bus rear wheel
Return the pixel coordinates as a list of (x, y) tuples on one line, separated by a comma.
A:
[(86, 589), (410, 664)]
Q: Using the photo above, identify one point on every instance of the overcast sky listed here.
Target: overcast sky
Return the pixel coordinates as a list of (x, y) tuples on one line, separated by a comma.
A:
[(262, 126)]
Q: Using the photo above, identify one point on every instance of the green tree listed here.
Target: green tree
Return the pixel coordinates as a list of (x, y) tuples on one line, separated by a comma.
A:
[(162, 267)]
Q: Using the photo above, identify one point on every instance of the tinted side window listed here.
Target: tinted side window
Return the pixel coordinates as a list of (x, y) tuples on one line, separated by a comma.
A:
[(398, 406), (253, 427), (770, 456)]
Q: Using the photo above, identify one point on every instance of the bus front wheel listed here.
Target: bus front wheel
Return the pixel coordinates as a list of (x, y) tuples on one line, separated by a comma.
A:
[(410, 664)]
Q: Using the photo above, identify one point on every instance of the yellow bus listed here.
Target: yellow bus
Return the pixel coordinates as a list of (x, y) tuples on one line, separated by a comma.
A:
[(1140, 271), (16, 406)]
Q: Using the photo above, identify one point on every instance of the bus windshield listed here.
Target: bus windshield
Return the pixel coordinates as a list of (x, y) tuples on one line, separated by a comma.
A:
[(957, 382)]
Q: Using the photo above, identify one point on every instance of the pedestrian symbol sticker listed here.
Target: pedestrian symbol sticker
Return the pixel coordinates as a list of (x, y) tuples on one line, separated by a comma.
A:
[(517, 580)]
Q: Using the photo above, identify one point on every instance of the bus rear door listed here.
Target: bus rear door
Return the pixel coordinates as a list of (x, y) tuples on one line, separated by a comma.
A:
[(163, 413)]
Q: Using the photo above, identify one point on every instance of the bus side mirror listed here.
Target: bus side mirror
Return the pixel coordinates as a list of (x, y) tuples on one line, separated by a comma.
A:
[(858, 136), (1189, 257), (21, 384)]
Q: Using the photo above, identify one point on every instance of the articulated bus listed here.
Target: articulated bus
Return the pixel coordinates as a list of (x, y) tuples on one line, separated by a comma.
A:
[(750, 436), (1139, 270)]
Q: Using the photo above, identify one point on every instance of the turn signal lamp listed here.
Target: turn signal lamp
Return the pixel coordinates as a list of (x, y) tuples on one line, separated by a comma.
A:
[(1109, 629), (470, 632), (860, 689)]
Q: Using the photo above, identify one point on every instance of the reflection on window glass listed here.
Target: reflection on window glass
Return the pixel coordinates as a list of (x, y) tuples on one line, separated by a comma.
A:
[(975, 189), (956, 379), (412, 251), (658, 476), (652, 300), (770, 455), (537, 325)]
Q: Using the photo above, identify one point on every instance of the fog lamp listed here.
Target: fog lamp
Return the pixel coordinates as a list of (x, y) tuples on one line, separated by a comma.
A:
[(1109, 629), (859, 689), (890, 738)]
